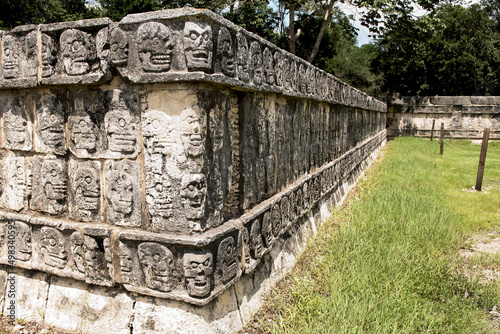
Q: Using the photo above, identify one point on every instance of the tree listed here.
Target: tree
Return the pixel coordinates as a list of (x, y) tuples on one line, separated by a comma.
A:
[(117, 9), (19, 12), (454, 51)]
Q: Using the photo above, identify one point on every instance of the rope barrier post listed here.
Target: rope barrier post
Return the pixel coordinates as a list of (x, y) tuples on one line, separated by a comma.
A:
[(432, 130), (442, 139), (482, 159)]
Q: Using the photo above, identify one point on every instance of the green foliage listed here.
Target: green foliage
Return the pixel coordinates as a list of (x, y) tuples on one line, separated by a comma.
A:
[(454, 51), (19, 12), (117, 9), (255, 16), (352, 64)]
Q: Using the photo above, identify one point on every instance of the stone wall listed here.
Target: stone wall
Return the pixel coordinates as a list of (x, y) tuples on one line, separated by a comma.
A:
[(165, 170), (463, 116)]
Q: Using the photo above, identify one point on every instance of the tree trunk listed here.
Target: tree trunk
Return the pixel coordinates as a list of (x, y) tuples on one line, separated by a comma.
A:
[(325, 23), (291, 29)]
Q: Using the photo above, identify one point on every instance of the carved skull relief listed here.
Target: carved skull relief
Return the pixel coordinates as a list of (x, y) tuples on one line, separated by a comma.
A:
[(198, 46), (121, 126), (31, 53), (157, 265), (78, 252), (255, 240), (155, 46), (82, 132), (256, 63), (126, 264), (192, 137), (156, 131), (120, 195), (198, 268), (242, 58), (86, 188), (225, 53), (226, 259), (54, 180), (267, 229), (193, 196), (268, 62), (159, 197), (15, 125), (48, 55), (50, 124), (11, 57), (77, 51), (14, 182), (22, 241), (52, 247), (118, 53)]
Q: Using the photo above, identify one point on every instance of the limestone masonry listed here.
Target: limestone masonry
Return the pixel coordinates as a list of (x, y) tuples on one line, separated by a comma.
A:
[(463, 116), (166, 169)]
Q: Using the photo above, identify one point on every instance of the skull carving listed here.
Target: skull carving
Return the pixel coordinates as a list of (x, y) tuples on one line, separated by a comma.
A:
[(225, 53), (267, 229), (156, 131), (87, 190), (118, 47), (31, 54), (78, 252), (22, 241), (155, 44), (226, 259), (255, 240), (256, 62), (78, 51), (120, 126), (51, 124), (126, 264), (268, 62), (191, 133), (198, 268), (157, 265), (198, 46), (120, 195), (54, 180), (82, 132), (193, 195), (53, 247), (15, 125), (242, 58), (11, 57)]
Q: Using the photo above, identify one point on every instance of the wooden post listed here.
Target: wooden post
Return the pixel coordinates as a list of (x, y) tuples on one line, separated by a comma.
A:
[(482, 159), (442, 139), (432, 131)]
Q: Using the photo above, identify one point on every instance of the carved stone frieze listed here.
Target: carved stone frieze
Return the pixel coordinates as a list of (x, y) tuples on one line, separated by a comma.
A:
[(50, 136), (85, 202)]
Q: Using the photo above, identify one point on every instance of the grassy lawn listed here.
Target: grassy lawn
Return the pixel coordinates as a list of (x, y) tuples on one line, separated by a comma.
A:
[(388, 260)]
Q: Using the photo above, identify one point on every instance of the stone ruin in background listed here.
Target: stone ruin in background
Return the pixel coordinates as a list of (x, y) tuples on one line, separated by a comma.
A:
[(169, 153)]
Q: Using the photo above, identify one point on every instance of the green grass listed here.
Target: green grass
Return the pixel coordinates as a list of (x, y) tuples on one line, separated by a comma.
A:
[(387, 261)]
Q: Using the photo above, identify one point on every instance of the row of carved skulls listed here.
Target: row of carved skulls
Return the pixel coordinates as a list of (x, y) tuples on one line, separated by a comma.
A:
[(90, 257), (80, 53), (51, 188), (121, 127)]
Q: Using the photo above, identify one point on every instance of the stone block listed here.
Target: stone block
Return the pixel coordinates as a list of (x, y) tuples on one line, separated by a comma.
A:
[(450, 100), (76, 306), (30, 294)]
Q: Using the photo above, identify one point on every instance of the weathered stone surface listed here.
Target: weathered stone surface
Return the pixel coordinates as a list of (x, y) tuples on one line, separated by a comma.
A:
[(50, 185), (85, 195), (123, 193), (77, 306), (463, 117), (171, 155), (31, 291)]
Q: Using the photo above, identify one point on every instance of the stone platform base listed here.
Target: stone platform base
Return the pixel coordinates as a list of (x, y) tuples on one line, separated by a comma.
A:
[(73, 305)]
